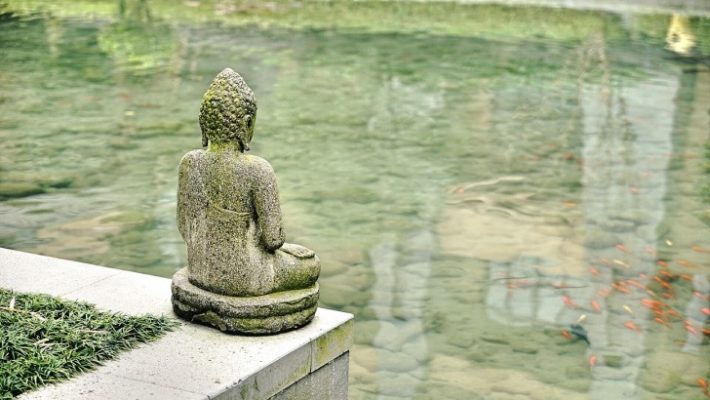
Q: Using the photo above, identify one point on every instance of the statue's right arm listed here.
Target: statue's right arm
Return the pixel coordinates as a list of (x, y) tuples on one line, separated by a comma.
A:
[(268, 207)]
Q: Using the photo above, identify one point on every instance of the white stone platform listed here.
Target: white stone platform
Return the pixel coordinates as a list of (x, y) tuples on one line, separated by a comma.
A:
[(192, 362)]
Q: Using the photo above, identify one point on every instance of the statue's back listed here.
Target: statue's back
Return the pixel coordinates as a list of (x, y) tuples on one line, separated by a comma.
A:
[(222, 232), (241, 275)]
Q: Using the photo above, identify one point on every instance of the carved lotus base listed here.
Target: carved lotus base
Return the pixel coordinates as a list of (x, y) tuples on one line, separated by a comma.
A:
[(257, 315)]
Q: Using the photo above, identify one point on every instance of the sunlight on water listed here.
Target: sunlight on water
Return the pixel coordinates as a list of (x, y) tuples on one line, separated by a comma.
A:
[(477, 180)]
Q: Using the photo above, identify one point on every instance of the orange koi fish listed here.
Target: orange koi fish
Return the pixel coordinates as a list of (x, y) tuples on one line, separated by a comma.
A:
[(592, 360), (635, 283), (631, 326), (651, 303), (595, 306), (621, 247), (687, 263), (699, 249), (603, 292), (666, 274), (569, 302), (690, 328), (618, 286), (706, 310), (566, 334), (704, 386)]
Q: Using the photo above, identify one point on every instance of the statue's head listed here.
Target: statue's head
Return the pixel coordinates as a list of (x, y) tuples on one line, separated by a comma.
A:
[(228, 110)]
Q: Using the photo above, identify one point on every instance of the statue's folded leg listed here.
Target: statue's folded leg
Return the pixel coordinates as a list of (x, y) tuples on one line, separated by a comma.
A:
[(295, 267)]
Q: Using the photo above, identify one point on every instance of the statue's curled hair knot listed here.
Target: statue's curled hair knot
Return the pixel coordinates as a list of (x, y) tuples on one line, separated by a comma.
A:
[(228, 110)]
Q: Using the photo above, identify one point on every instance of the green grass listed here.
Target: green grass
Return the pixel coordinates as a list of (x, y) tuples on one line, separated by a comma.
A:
[(44, 339)]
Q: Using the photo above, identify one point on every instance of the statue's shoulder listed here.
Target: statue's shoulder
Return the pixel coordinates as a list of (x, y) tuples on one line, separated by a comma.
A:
[(191, 157), (258, 164)]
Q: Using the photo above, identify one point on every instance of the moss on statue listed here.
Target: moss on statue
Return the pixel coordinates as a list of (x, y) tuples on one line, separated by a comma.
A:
[(241, 275)]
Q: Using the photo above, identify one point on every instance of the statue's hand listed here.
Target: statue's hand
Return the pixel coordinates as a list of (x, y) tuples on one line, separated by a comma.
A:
[(297, 251)]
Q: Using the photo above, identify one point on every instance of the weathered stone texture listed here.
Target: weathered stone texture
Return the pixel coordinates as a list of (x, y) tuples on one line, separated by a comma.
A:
[(274, 312), (229, 215), (328, 382)]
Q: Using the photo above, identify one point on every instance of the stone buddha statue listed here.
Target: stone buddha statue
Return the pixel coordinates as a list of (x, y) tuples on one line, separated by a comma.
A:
[(241, 276)]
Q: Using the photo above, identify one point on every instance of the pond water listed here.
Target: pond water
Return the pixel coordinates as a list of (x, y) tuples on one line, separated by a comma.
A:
[(475, 179)]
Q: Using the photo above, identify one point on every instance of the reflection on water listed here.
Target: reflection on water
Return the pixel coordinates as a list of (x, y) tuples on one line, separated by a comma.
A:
[(624, 185), (473, 189), (680, 37)]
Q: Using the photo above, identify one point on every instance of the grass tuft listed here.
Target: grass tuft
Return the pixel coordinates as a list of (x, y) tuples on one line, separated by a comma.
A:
[(46, 340)]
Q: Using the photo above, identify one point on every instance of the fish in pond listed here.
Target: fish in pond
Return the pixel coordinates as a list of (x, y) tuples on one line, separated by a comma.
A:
[(579, 331)]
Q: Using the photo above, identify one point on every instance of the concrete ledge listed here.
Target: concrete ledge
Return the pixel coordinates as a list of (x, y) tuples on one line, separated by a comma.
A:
[(328, 382), (193, 362)]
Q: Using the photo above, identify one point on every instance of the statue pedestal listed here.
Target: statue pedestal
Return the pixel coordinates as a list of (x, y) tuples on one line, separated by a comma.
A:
[(256, 315), (194, 361)]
